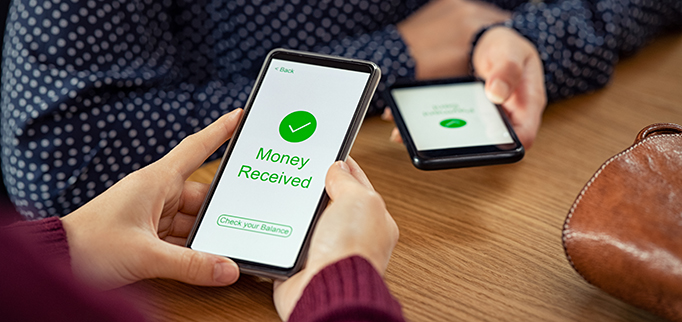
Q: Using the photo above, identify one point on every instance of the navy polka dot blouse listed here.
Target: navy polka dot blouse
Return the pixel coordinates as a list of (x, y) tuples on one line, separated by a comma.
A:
[(93, 90)]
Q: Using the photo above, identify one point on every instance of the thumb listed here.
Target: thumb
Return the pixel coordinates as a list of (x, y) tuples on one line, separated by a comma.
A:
[(193, 267), (502, 82), (340, 181), (501, 79), (501, 69)]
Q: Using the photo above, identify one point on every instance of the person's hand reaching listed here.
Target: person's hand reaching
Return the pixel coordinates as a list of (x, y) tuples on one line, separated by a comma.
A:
[(137, 228), (356, 222)]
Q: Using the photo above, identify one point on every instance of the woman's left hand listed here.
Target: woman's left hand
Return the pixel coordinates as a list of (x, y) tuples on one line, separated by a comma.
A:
[(137, 228)]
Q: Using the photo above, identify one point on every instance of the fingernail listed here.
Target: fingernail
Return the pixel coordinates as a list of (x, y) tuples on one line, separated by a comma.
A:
[(499, 91), (225, 272), (385, 115), (236, 112), (394, 135), (343, 166)]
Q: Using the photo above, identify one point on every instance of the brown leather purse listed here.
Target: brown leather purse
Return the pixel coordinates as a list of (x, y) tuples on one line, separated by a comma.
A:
[(623, 233)]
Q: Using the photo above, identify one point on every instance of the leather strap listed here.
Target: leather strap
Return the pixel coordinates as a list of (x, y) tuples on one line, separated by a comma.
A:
[(658, 128)]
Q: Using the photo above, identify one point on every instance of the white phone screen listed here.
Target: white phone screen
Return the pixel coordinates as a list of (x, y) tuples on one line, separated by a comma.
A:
[(446, 116), (267, 195)]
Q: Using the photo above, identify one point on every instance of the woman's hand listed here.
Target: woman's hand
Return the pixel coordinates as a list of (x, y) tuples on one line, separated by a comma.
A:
[(356, 222), (514, 76), (137, 228)]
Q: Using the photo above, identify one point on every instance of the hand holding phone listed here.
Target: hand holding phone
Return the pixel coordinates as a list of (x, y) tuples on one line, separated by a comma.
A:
[(136, 228), (303, 114), (338, 234), (451, 124)]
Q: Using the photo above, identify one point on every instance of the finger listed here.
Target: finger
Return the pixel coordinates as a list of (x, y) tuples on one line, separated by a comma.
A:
[(193, 267), (181, 226), (502, 79), (395, 136), (192, 151), (180, 241), (527, 103), (502, 69), (190, 201), (387, 115), (340, 181), (357, 173), (526, 123), (193, 195)]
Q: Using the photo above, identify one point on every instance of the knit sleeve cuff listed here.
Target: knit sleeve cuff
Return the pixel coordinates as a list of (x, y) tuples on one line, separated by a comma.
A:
[(350, 289), (47, 235)]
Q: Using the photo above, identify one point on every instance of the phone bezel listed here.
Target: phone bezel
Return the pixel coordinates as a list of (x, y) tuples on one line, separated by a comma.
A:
[(270, 271), (458, 157)]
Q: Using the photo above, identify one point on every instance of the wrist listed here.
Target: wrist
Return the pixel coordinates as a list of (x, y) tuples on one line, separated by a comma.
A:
[(475, 40), (70, 225), (83, 263)]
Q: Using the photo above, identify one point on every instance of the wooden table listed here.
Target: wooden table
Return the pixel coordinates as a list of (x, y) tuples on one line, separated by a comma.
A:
[(482, 244)]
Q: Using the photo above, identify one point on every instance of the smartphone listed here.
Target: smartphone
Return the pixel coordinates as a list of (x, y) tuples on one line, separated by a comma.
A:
[(450, 123), (302, 115)]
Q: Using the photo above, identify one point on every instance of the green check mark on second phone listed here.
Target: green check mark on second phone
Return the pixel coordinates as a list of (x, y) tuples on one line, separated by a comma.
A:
[(297, 126), (453, 123)]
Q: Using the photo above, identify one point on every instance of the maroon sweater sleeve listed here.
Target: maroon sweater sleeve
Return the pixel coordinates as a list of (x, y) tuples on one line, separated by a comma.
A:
[(47, 237), (37, 284), (348, 290)]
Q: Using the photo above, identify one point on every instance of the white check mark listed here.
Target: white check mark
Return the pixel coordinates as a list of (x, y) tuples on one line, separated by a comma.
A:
[(292, 129)]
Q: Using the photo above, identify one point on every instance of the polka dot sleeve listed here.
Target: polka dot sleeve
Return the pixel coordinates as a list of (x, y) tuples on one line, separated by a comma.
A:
[(93, 90), (580, 41)]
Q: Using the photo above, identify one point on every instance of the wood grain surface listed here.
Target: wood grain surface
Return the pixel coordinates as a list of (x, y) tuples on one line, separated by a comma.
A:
[(481, 244)]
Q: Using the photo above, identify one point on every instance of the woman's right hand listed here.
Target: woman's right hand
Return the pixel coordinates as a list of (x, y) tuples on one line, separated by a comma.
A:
[(356, 222)]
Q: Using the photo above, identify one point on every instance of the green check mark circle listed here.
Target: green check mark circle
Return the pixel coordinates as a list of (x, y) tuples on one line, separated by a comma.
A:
[(453, 123), (297, 126)]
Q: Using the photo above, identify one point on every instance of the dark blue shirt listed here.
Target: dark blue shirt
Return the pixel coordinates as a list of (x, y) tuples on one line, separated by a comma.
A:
[(93, 90)]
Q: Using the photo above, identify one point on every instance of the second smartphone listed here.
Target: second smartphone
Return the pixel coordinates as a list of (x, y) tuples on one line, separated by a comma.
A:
[(450, 123), (303, 115)]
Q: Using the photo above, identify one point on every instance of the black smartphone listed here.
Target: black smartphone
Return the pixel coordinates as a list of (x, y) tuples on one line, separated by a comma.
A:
[(450, 123), (302, 115)]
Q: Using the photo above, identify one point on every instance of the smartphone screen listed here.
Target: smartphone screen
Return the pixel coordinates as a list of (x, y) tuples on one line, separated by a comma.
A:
[(450, 123), (444, 116), (264, 199)]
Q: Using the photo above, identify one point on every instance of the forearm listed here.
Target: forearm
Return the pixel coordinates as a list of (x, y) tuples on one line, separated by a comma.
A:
[(348, 290), (579, 42), (100, 92)]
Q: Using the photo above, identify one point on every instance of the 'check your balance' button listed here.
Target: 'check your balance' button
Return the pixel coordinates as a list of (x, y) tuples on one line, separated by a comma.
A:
[(255, 226)]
